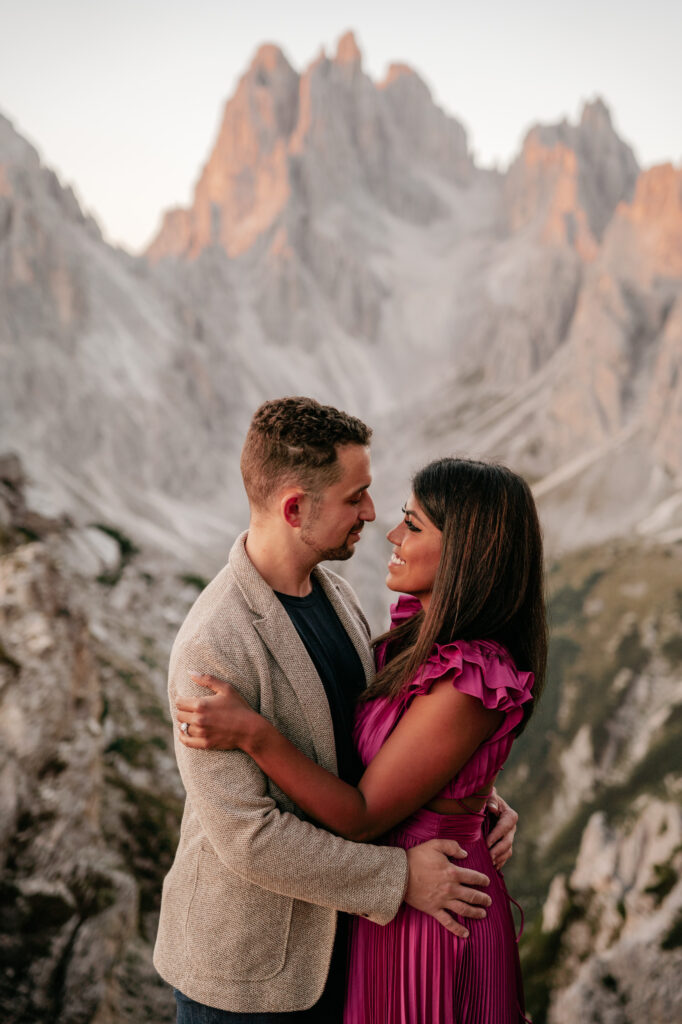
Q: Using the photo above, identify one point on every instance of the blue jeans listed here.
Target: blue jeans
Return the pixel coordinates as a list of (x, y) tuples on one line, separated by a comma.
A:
[(190, 1012)]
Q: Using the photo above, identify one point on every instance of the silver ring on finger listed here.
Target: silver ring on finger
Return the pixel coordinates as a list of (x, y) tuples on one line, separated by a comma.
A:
[(185, 728)]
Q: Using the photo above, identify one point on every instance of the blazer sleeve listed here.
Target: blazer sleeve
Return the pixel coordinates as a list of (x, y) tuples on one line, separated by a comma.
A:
[(262, 843)]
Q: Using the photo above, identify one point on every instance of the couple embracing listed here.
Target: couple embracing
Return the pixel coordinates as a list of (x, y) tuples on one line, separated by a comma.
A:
[(338, 859)]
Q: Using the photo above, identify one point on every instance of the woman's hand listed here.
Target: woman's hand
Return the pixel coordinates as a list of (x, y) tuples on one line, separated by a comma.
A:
[(222, 721)]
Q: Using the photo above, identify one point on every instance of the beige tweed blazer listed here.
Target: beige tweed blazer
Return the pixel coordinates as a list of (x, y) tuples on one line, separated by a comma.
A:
[(248, 911)]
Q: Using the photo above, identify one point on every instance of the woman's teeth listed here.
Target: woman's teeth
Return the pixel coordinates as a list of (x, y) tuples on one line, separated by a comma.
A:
[(394, 560)]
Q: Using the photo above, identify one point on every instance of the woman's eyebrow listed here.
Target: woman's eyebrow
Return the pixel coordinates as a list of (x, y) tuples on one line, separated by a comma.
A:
[(410, 512)]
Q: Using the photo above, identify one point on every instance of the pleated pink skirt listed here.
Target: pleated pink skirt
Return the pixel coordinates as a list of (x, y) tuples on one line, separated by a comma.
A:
[(413, 971)]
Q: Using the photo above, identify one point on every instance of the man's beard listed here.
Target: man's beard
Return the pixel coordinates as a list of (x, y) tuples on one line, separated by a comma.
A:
[(339, 554)]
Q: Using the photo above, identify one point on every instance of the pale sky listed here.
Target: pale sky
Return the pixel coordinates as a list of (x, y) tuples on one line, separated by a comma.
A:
[(123, 99)]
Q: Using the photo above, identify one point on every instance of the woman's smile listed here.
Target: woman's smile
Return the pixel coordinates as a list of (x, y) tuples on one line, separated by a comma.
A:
[(414, 561)]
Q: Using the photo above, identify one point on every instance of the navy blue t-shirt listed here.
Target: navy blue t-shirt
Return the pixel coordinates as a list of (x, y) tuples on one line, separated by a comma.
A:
[(338, 666)]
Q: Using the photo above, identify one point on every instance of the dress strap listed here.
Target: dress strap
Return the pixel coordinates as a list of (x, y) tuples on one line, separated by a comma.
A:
[(521, 1007)]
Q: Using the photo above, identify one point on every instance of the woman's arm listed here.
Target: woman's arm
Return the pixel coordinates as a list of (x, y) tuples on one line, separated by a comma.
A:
[(434, 739)]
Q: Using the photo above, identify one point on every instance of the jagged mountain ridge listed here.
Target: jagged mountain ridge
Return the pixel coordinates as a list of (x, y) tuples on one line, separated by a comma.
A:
[(304, 139), (343, 243)]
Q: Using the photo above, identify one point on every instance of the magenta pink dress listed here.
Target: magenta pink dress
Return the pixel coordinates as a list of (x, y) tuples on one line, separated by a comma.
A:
[(413, 971)]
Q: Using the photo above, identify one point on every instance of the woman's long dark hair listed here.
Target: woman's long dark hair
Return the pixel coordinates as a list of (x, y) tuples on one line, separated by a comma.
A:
[(489, 583)]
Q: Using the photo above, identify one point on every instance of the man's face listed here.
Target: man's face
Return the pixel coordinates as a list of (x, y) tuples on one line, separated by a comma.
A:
[(334, 519)]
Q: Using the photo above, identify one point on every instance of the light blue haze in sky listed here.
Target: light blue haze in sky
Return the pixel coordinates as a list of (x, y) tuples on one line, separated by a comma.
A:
[(124, 99)]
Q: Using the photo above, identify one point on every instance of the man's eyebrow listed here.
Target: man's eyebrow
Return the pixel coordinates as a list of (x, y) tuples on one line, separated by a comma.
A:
[(359, 490)]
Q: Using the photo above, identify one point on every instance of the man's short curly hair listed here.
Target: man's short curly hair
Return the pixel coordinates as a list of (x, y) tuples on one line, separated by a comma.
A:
[(295, 440)]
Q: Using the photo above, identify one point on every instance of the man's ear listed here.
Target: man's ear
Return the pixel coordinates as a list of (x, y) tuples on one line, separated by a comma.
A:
[(290, 507)]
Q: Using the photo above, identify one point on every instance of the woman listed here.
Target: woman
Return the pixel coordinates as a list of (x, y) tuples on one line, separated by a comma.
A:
[(458, 675)]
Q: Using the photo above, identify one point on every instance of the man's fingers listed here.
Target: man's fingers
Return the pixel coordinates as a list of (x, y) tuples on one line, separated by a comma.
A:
[(449, 922), (450, 847), (467, 876), (471, 897), (466, 909)]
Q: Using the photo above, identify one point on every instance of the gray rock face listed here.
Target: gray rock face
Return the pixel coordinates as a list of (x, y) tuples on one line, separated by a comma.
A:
[(89, 795), (618, 962)]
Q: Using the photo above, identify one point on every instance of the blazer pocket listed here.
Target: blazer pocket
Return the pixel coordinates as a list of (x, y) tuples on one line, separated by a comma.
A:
[(235, 929)]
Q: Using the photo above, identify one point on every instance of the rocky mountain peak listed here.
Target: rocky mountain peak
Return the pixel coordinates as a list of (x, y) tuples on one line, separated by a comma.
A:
[(347, 50), (267, 58), (596, 116), (244, 184), (395, 72), (570, 178), (290, 142), (263, 109)]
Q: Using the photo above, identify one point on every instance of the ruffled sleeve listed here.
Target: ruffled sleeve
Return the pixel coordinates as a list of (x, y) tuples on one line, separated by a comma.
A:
[(405, 607), (480, 668)]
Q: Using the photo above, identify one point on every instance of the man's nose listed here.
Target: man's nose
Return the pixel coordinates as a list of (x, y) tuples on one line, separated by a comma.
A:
[(368, 512)]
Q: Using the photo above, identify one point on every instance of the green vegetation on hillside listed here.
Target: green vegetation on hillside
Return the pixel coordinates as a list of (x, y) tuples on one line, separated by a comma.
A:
[(616, 628)]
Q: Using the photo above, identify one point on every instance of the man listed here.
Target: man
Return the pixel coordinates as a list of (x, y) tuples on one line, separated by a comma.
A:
[(249, 908)]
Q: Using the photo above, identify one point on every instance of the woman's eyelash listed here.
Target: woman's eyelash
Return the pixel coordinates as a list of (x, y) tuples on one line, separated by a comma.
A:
[(408, 522)]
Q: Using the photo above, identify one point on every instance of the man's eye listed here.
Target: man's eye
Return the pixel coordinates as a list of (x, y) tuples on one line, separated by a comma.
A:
[(356, 501)]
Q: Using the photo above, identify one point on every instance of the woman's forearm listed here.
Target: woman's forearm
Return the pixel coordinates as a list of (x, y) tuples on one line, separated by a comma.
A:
[(321, 795)]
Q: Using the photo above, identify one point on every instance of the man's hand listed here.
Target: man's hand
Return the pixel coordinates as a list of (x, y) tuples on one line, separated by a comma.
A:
[(501, 837), (437, 887)]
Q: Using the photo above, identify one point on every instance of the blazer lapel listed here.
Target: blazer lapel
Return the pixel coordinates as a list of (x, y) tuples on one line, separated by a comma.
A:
[(280, 637), (288, 650)]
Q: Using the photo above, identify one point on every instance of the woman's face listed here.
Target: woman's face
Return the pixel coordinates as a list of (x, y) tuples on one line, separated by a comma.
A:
[(416, 554)]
